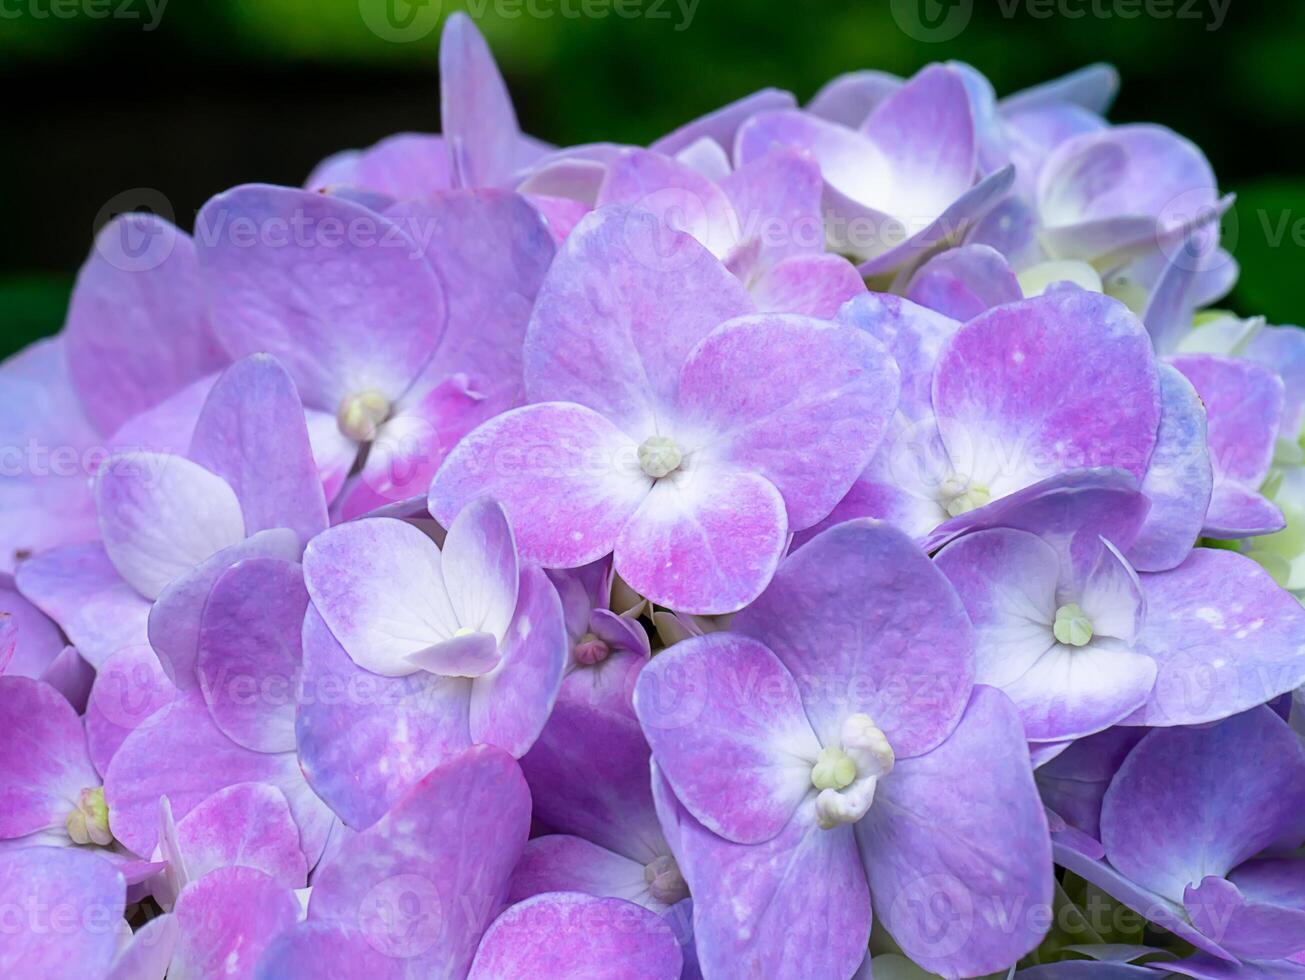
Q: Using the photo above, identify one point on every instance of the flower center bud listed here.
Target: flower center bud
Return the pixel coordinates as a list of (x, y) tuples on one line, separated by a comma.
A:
[(959, 495), (659, 456), (1072, 627), (361, 415), (834, 769), (89, 821), (846, 775), (590, 650), (665, 883)]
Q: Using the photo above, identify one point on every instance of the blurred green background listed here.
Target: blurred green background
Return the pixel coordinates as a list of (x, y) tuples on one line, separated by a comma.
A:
[(187, 97)]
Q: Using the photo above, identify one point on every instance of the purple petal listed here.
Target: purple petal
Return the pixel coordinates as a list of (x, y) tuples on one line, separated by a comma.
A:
[(1058, 382), (566, 477), (725, 723), (403, 166), (948, 227), (915, 336), (1191, 802), (1074, 782), (137, 328), (247, 825), (78, 587), (71, 676), (589, 778), (479, 561), (377, 584), (149, 953), (1254, 930), (722, 124), (808, 285), (44, 764), (1178, 480), (160, 760), (476, 114), (226, 919), (926, 131), (776, 199), (1224, 636), (131, 689), (707, 542), (37, 641), (794, 907), (1093, 87), (1118, 175), (637, 296), (848, 99), (562, 933), (510, 704), (866, 623), (1009, 581), (808, 423), (496, 249), (561, 863), (364, 739), (174, 620), (249, 652), (442, 857), (252, 434), (314, 949), (160, 516), (1243, 403), (1071, 512), (275, 259), (955, 838), (47, 502), (83, 893), (678, 196), (963, 282)]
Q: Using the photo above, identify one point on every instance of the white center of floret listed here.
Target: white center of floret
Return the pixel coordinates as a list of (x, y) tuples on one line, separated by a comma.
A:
[(846, 774), (360, 416), (1072, 627), (659, 456)]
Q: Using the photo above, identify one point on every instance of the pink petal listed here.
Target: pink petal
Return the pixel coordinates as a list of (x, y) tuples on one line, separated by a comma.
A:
[(44, 765), (567, 478), (137, 329), (286, 271), (476, 114), (705, 542), (251, 433), (568, 933), (636, 296), (249, 652), (739, 761), (226, 919)]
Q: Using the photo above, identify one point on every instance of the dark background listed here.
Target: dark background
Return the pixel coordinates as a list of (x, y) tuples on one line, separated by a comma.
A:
[(226, 91)]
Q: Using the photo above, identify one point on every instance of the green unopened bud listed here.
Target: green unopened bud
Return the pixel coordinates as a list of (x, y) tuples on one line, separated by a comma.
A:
[(1072, 627)]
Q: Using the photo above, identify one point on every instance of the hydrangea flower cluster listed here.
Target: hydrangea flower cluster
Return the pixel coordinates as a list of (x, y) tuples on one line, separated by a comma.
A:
[(834, 541)]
